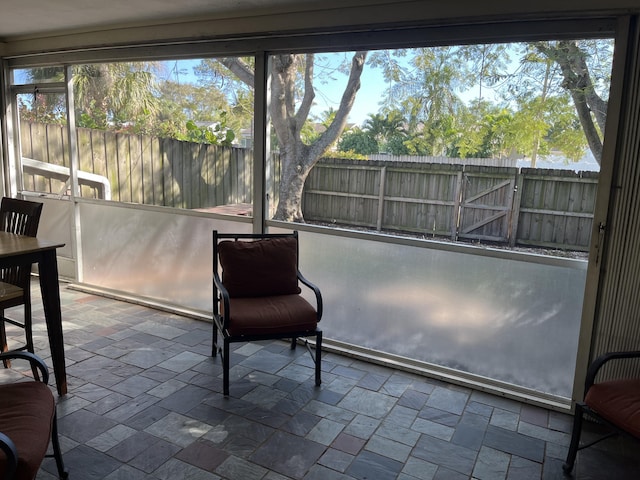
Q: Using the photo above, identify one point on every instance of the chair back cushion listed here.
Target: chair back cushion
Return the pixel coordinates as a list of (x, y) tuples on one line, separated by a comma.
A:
[(260, 268), (617, 401)]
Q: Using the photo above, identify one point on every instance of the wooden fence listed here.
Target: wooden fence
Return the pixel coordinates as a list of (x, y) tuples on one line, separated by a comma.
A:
[(483, 162), (142, 169), (532, 207), (543, 208)]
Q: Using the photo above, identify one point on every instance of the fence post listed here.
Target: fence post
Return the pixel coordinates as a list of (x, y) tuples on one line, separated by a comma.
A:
[(455, 222), (381, 189), (515, 209)]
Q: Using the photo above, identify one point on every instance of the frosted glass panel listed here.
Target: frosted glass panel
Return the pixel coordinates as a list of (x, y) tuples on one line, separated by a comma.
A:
[(55, 223), (162, 255), (514, 321)]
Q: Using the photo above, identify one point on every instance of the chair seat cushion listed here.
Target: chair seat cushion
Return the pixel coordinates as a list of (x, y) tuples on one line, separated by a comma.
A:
[(617, 401), (26, 415), (280, 314), (9, 291)]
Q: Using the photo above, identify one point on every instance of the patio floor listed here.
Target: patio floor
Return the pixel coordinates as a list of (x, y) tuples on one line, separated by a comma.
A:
[(145, 402)]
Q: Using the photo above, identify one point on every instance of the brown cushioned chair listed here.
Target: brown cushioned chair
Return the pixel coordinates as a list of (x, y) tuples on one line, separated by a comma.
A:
[(22, 218), (27, 423), (615, 403), (258, 296)]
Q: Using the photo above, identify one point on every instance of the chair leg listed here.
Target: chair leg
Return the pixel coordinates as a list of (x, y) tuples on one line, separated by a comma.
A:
[(28, 332), (294, 342), (225, 368), (214, 340), (28, 327), (318, 358), (57, 453), (574, 446), (3, 339)]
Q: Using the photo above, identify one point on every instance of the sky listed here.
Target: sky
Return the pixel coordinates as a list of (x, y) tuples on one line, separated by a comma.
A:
[(372, 88)]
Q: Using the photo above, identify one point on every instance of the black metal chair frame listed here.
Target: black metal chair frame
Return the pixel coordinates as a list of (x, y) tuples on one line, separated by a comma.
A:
[(20, 217), (582, 409), (221, 320), (7, 445)]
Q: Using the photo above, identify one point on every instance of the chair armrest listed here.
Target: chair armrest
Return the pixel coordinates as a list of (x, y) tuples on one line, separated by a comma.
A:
[(34, 360), (8, 447), (316, 291), (224, 297), (599, 362)]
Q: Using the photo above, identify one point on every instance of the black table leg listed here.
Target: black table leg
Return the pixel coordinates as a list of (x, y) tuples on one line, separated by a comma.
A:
[(50, 288)]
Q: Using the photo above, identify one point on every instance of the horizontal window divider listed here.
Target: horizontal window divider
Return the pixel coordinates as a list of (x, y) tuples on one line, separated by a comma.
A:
[(457, 247)]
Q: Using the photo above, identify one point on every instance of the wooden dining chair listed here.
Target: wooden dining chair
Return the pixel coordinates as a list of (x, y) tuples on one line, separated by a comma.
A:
[(258, 296), (21, 217)]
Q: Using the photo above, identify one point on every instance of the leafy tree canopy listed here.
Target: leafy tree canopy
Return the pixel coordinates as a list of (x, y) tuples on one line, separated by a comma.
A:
[(358, 141)]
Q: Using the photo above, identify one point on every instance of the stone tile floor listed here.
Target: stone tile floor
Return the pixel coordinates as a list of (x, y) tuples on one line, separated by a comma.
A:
[(145, 402)]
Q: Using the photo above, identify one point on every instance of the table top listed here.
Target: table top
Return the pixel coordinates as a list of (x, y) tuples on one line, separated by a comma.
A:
[(12, 244)]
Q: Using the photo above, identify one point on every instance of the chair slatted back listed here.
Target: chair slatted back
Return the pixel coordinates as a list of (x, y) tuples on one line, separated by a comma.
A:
[(22, 218)]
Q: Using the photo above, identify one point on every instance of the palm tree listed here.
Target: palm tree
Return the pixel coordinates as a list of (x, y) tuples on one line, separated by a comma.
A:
[(385, 127), (112, 95)]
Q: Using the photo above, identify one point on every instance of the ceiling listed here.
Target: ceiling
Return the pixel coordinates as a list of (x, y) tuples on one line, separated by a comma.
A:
[(33, 18), (28, 19)]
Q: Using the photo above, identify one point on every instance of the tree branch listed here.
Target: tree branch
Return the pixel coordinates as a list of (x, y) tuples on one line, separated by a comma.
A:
[(333, 131), (309, 92), (577, 80), (240, 69), (283, 99)]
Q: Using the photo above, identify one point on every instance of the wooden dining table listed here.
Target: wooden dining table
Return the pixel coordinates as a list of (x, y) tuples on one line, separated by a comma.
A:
[(24, 250)]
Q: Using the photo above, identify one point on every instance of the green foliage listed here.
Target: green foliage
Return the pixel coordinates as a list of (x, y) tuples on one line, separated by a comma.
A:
[(87, 121), (232, 83), (397, 145), (388, 130), (531, 111), (565, 133), (218, 134), (489, 131), (130, 97), (349, 155), (116, 96), (42, 107), (358, 141)]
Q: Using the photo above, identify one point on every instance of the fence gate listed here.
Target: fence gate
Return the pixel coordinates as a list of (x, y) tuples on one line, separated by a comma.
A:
[(486, 204)]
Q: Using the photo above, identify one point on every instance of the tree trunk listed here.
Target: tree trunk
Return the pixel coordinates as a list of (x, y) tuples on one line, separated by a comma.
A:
[(292, 180), (297, 158), (577, 80)]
